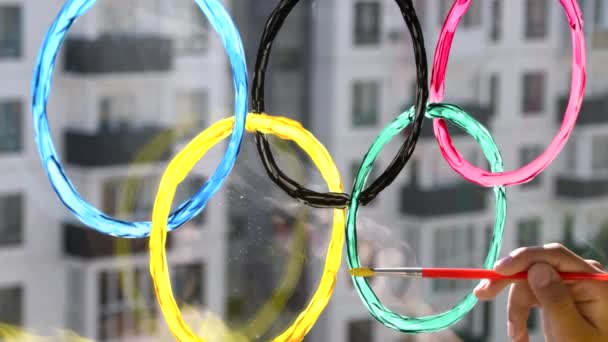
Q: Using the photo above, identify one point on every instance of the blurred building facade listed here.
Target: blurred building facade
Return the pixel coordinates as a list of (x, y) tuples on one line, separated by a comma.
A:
[(350, 71)]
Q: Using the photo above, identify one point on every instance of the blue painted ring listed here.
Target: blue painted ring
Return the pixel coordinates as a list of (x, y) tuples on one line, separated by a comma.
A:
[(41, 89)]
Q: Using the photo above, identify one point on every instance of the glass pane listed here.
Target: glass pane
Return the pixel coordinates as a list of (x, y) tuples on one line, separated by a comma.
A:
[(11, 227), (10, 32), (137, 80), (11, 305), (367, 23)]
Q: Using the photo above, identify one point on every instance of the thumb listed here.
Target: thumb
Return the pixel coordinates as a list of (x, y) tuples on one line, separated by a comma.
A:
[(556, 302)]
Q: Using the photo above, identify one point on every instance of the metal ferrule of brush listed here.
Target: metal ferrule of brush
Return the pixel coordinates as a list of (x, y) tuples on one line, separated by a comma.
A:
[(410, 272)]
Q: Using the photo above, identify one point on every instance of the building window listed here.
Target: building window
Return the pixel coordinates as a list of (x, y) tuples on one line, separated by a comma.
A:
[(192, 36), (127, 305), (116, 112), (130, 197), (75, 306), (187, 281), (11, 139), (455, 248), (599, 155), (10, 32), (571, 155), (187, 189), (366, 103), (477, 325), (192, 112), (496, 30), (536, 18), (471, 19), (526, 155), (533, 92), (360, 331), (533, 320), (367, 23), (494, 93), (600, 15), (11, 219), (11, 305), (528, 232)]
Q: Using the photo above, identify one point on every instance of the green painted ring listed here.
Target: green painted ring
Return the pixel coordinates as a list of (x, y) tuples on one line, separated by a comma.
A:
[(446, 319)]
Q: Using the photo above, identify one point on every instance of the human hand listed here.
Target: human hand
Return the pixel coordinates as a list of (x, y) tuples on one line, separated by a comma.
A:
[(572, 311)]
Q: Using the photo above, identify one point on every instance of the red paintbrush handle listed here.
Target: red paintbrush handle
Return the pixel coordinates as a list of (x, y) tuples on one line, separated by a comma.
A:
[(467, 273)]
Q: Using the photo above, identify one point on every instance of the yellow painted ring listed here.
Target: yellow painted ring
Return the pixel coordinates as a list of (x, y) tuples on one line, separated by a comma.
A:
[(177, 171)]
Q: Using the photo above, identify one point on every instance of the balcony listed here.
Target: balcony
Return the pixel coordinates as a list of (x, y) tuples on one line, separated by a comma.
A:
[(593, 111), (85, 243), (580, 188), (447, 200), (111, 147), (118, 54)]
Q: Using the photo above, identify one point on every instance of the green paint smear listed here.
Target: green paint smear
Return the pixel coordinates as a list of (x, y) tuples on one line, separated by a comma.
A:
[(414, 325)]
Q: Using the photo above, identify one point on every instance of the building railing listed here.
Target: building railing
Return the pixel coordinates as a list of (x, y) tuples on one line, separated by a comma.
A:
[(573, 187), (593, 111), (118, 54), (85, 243), (446, 200), (111, 147)]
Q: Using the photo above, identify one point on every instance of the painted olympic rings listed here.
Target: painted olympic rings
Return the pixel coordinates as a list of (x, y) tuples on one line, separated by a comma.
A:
[(577, 92), (260, 123), (42, 82), (490, 150), (338, 200), (177, 171)]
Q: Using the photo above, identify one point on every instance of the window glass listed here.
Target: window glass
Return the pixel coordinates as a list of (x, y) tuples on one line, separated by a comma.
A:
[(599, 162), (533, 93), (10, 32), (536, 18), (11, 305), (11, 225), (366, 102), (360, 331), (455, 246), (496, 22), (11, 128), (367, 23), (526, 156)]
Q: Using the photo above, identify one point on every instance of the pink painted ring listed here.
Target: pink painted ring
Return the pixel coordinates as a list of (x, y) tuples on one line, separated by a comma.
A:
[(577, 91)]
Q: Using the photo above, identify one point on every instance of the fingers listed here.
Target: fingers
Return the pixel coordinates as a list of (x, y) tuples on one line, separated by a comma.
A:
[(595, 264), (521, 300), (489, 289), (556, 302), (554, 255)]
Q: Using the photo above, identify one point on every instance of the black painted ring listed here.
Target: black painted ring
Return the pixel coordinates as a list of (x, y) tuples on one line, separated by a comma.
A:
[(332, 199)]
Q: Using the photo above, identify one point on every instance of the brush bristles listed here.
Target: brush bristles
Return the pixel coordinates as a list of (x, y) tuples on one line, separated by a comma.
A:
[(361, 272)]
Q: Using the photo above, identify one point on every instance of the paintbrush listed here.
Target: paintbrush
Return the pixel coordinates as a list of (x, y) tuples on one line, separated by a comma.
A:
[(462, 273)]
